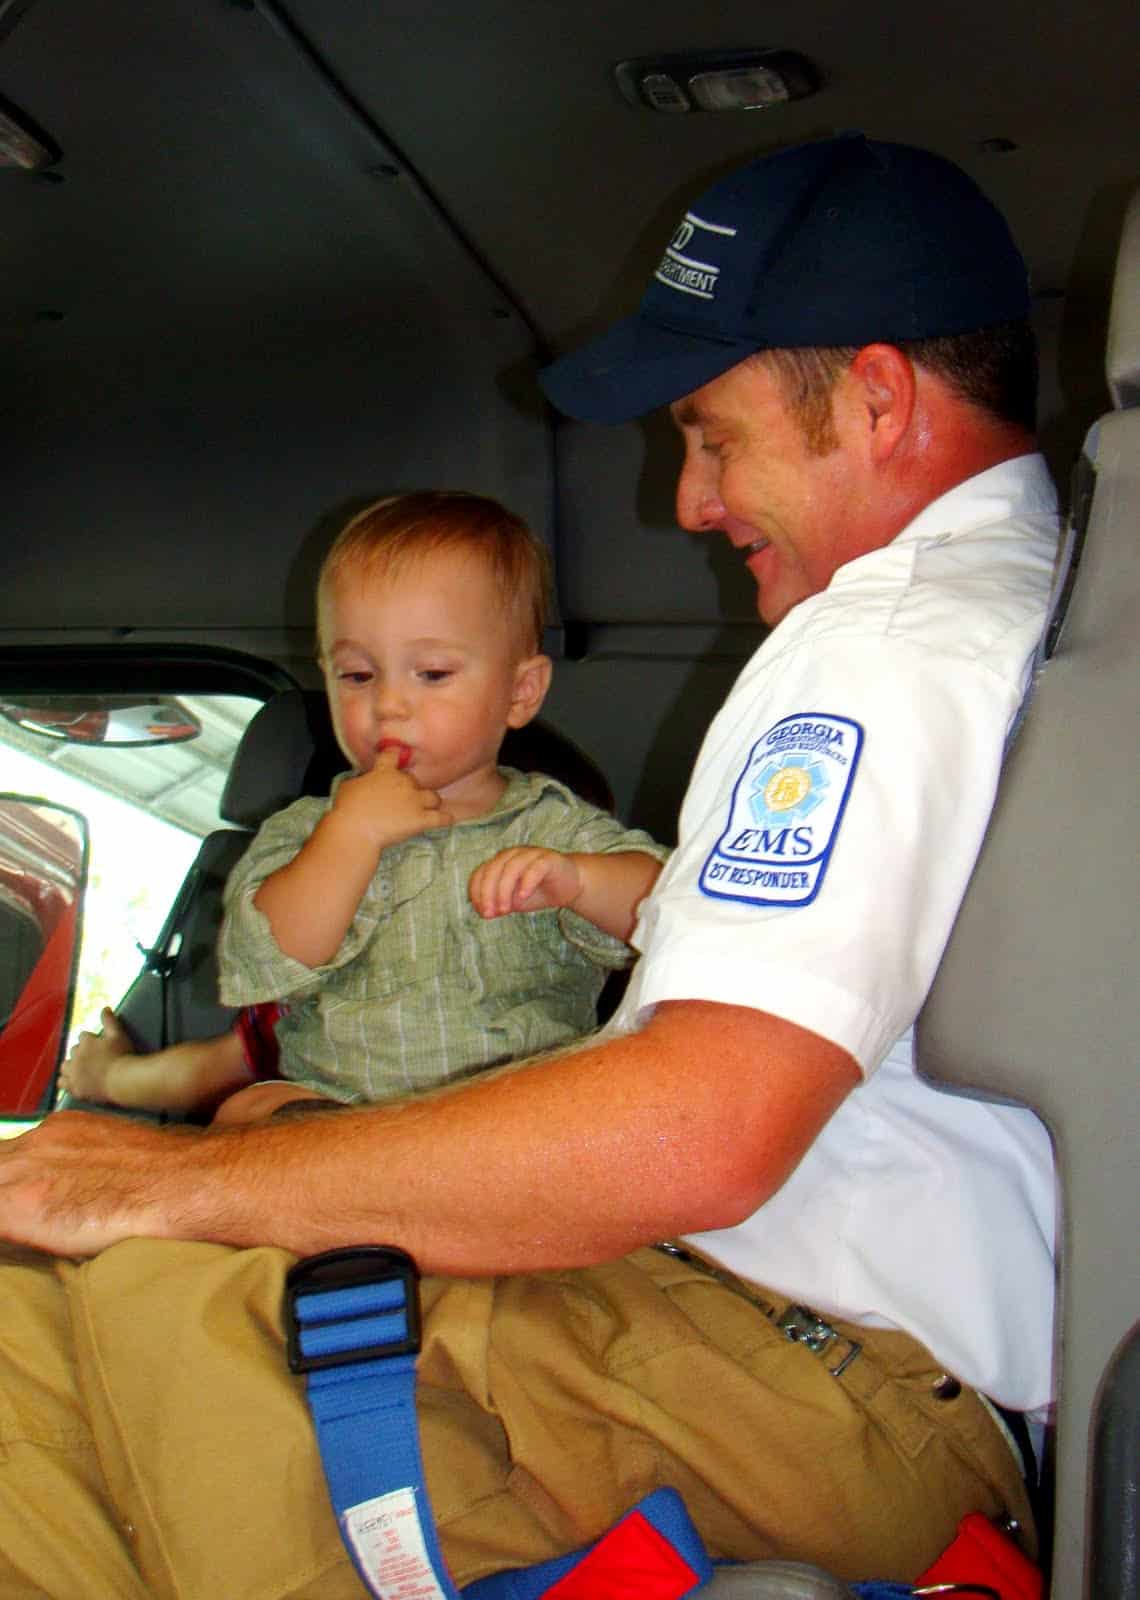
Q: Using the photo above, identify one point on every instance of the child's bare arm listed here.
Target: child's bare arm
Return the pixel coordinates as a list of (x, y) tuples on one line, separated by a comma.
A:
[(189, 1076), (311, 901), (605, 889)]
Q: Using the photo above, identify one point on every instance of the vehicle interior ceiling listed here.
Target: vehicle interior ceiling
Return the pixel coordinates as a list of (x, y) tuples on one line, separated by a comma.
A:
[(290, 256), (278, 257)]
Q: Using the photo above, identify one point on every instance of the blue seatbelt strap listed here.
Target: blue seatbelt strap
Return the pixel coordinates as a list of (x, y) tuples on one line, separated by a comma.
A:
[(353, 1329), (352, 1324)]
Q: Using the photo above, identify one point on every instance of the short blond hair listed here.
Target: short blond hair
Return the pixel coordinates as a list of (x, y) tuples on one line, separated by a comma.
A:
[(389, 536)]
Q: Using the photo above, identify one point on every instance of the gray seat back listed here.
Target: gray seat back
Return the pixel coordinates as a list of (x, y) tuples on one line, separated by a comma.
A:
[(1037, 998), (287, 750)]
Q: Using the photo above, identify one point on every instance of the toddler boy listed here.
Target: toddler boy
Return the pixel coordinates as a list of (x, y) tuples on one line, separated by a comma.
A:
[(387, 916)]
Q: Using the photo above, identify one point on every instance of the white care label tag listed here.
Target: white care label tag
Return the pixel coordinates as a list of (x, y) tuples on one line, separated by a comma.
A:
[(785, 812), (388, 1541)]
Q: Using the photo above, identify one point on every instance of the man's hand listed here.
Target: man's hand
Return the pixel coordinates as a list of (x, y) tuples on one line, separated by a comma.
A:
[(386, 804), (524, 878), (84, 1073), (704, 1112), (83, 1180)]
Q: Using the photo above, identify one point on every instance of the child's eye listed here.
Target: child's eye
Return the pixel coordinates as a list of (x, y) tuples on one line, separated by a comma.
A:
[(358, 676), (436, 674)]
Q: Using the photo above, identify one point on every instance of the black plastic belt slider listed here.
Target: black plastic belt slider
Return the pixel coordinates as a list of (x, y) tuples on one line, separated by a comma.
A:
[(349, 1268)]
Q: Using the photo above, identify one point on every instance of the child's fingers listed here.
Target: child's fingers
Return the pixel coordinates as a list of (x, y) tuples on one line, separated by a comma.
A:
[(531, 877), (491, 886), (480, 888), (112, 1028), (396, 747), (502, 880)]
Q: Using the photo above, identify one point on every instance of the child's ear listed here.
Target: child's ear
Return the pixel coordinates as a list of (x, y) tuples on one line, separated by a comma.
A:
[(532, 680)]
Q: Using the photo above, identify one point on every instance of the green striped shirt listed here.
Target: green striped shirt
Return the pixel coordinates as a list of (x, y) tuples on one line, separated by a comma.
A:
[(424, 989)]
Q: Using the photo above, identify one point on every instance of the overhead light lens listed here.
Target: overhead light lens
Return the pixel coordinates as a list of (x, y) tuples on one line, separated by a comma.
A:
[(739, 89), (716, 80)]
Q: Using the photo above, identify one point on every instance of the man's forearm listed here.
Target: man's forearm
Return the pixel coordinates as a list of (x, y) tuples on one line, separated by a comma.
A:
[(689, 1124)]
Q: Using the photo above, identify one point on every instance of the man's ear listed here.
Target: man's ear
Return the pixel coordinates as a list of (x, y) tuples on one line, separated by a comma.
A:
[(532, 680), (884, 390)]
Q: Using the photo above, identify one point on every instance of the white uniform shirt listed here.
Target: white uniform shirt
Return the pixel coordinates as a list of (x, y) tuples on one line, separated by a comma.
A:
[(829, 831)]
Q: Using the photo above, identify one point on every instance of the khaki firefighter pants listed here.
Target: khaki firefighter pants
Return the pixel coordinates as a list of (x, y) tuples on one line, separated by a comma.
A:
[(153, 1444)]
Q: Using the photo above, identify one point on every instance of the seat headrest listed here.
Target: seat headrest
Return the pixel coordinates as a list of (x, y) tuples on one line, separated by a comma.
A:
[(289, 749), (1122, 358)]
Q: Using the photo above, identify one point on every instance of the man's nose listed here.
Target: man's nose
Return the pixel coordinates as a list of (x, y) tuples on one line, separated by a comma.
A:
[(700, 508)]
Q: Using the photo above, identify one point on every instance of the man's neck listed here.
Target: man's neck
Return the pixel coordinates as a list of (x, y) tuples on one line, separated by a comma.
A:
[(962, 444)]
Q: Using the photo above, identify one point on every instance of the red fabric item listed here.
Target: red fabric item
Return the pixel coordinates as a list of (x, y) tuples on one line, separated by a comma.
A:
[(255, 1025), (30, 1039), (632, 1562), (982, 1554)]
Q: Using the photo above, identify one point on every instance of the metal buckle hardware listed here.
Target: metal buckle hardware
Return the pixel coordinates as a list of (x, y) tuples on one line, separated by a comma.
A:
[(982, 1589), (356, 1267), (803, 1326)]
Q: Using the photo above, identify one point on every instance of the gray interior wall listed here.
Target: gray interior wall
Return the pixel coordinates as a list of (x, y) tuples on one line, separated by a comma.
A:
[(198, 382), (642, 718)]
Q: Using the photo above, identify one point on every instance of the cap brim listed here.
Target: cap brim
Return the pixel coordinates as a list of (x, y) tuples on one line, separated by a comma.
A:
[(635, 367)]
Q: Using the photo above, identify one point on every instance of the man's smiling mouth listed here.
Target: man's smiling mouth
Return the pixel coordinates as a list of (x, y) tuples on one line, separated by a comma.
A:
[(755, 547)]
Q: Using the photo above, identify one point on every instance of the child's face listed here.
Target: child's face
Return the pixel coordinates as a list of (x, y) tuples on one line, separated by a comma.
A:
[(425, 659)]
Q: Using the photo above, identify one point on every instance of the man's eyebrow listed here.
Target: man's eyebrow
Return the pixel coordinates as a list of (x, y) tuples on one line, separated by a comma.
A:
[(685, 413)]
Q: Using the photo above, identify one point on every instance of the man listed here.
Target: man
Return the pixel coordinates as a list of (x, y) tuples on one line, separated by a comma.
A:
[(840, 332)]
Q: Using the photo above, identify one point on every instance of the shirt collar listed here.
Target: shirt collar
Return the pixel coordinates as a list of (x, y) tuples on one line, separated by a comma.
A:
[(1018, 488)]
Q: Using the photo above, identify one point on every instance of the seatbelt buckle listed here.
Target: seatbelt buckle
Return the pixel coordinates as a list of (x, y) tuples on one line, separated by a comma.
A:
[(361, 1303)]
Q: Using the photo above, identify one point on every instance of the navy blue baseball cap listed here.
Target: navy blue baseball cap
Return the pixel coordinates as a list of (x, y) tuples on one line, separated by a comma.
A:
[(844, 241)]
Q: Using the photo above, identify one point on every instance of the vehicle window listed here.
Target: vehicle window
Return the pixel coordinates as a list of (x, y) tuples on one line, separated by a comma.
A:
[(148, 807)]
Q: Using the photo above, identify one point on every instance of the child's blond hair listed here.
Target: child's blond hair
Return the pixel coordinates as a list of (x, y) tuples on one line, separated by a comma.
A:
[(388, 537)]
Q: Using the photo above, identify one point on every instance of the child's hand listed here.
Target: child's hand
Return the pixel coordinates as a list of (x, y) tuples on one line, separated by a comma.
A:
[(84, 1073), (386, 804), (524, 878)]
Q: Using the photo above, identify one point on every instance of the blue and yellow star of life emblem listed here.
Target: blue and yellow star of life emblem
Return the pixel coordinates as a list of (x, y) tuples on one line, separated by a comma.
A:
[(790, 788), (785, 812)]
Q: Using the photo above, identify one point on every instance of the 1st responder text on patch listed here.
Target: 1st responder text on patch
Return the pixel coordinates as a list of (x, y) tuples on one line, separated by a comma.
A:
[(785, 812)]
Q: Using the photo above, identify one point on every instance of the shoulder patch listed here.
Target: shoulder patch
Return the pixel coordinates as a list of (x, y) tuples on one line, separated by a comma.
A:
[(785, 812)]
